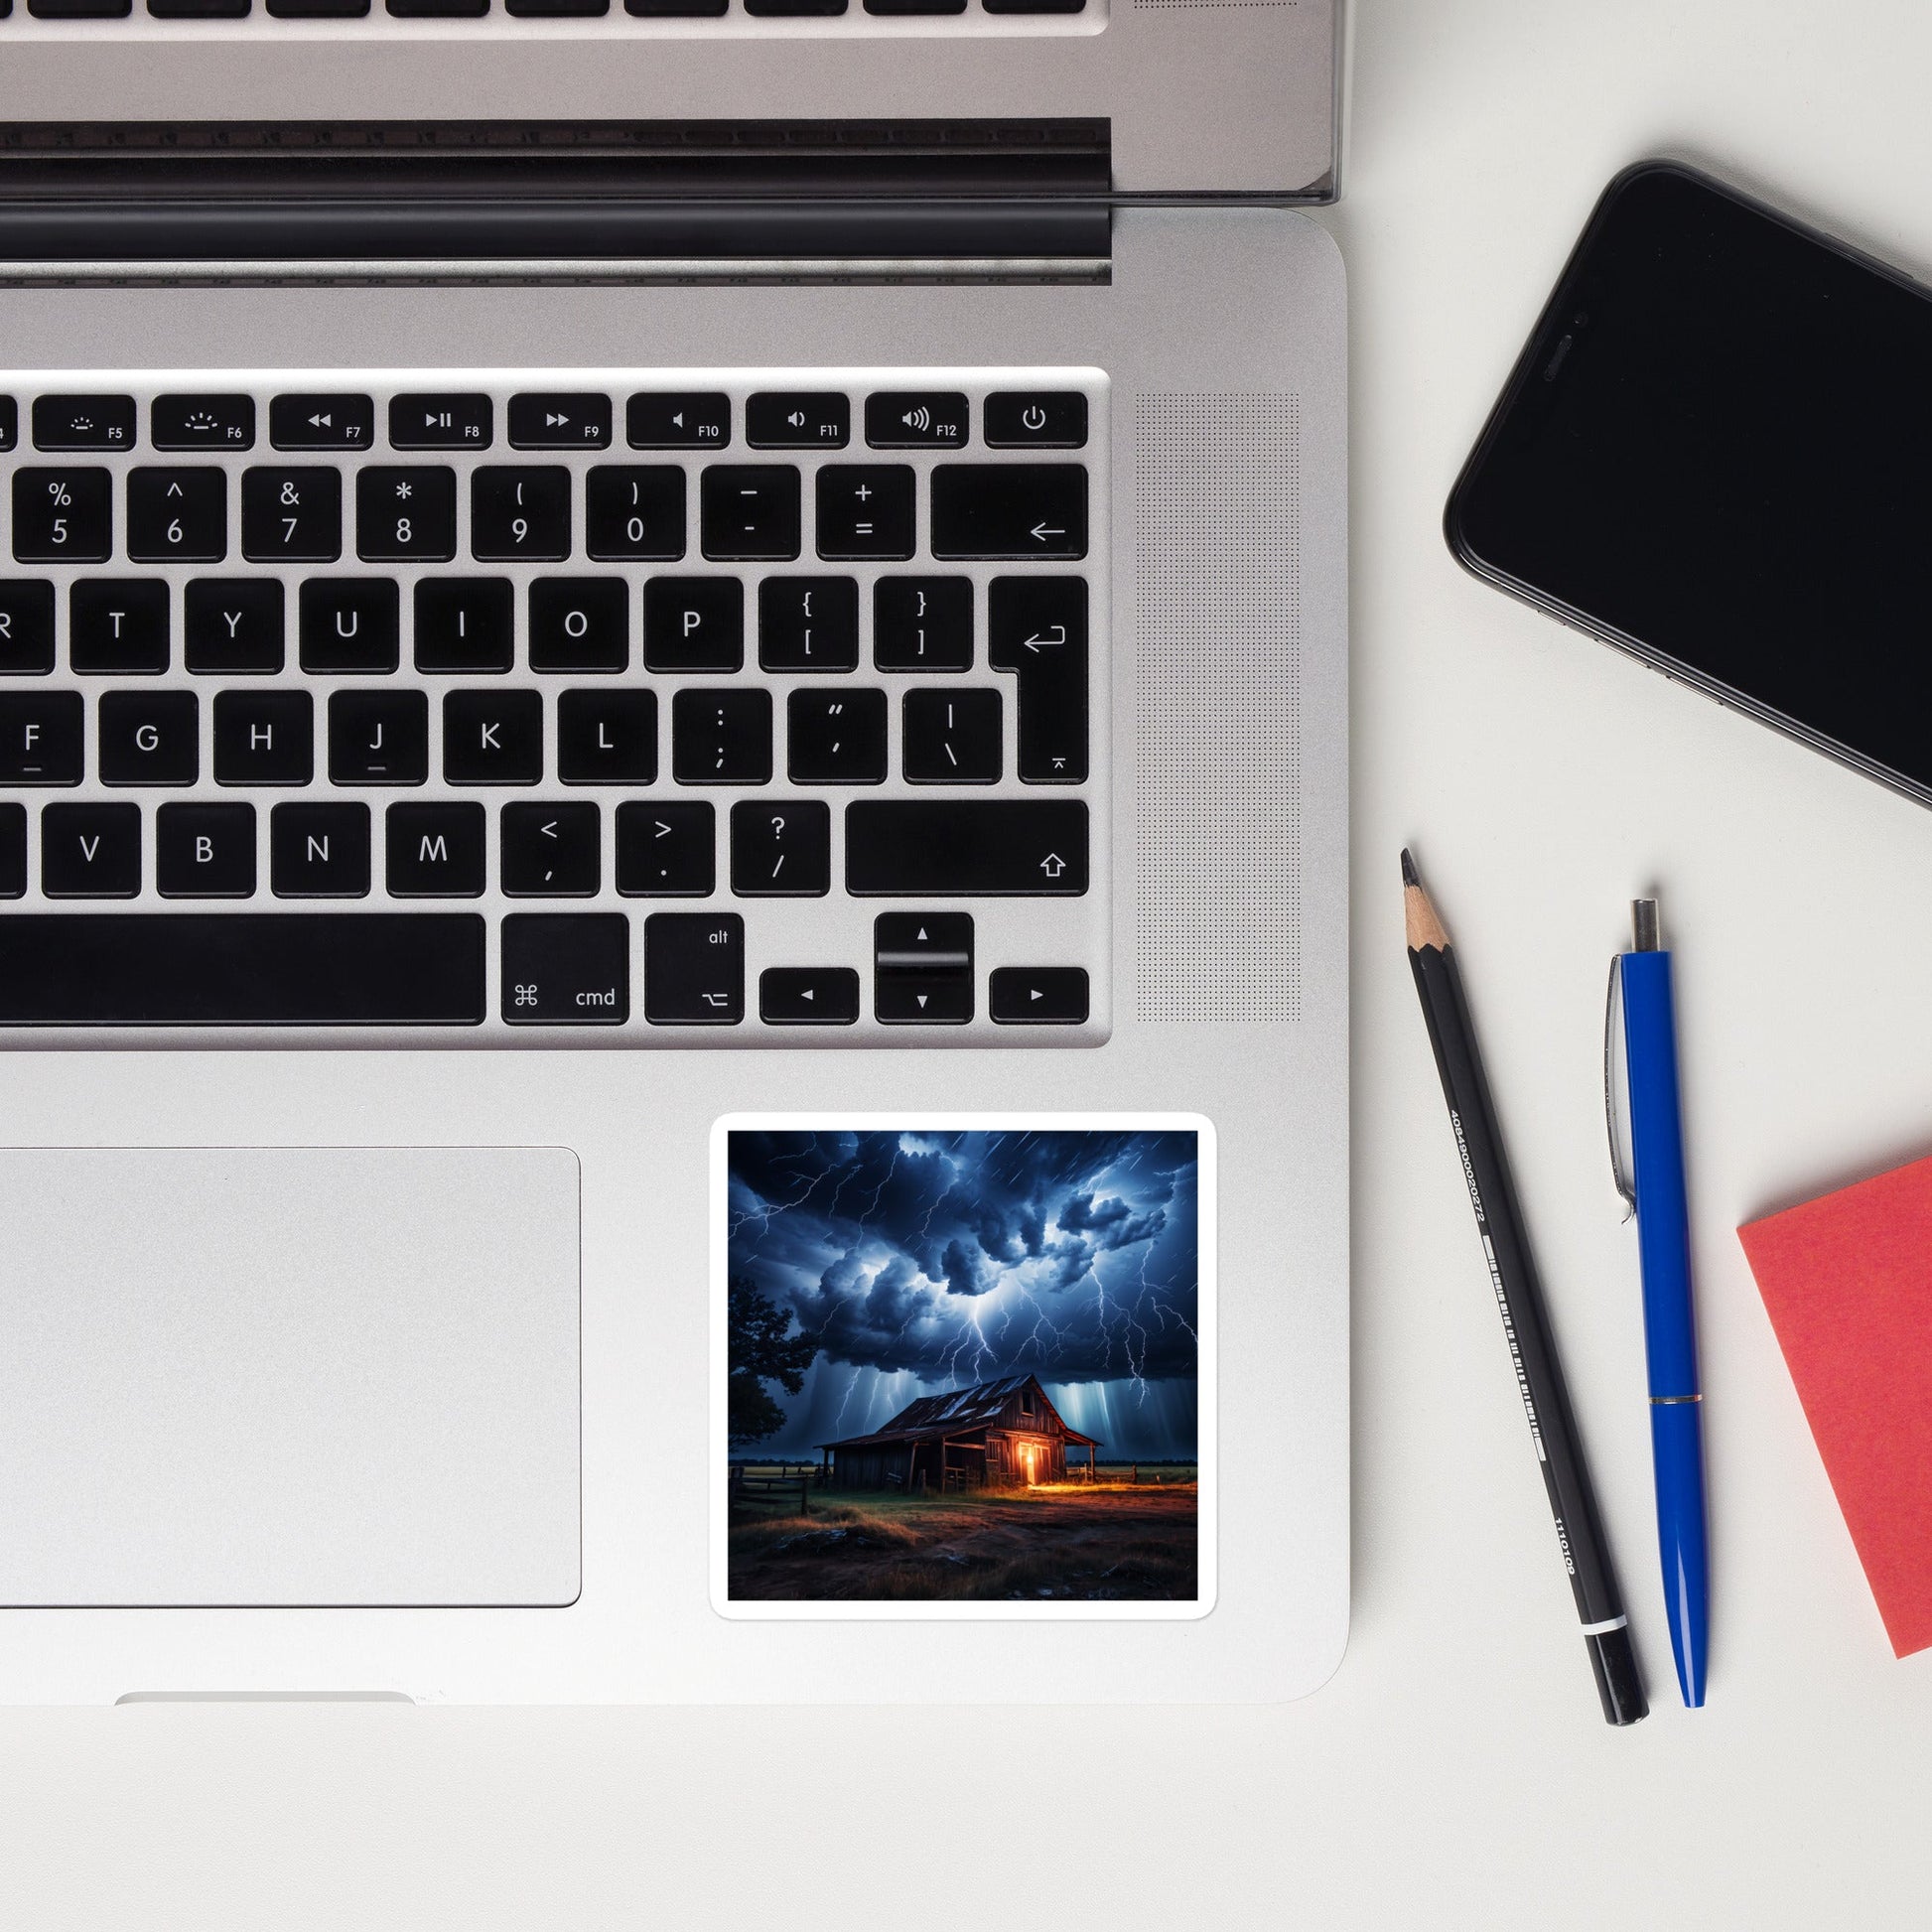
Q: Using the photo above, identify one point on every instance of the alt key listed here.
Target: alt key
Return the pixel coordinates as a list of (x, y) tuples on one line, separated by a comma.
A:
[(1038, 996), (808, 995), (568, 969)]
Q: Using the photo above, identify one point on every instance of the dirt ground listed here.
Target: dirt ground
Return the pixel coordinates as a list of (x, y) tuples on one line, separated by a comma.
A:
[(1061, 1541)]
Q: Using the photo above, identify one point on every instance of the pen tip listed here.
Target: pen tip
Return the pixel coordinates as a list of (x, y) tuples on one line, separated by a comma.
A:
[(1409, 868)]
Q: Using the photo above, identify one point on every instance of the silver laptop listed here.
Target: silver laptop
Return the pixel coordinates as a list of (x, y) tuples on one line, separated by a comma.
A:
[(823, 644)]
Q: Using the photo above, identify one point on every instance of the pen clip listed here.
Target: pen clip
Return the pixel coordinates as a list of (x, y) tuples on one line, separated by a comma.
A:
[(1625, 1191)]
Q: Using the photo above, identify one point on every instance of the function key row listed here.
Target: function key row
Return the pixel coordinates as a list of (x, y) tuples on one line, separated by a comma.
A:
[(633, 512), (665, 420), (436, 849), (519, 9)]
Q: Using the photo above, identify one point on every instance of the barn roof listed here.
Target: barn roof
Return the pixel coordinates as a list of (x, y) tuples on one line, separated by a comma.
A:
[(934, 1417)]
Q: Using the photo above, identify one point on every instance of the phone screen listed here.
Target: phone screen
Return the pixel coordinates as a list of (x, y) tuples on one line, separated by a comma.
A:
[(1718, 450)]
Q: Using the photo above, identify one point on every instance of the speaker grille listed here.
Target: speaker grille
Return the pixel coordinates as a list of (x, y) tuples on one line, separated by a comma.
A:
[(1217, 690)]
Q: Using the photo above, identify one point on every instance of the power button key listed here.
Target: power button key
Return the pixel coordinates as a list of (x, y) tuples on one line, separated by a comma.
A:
[(1035, 419)]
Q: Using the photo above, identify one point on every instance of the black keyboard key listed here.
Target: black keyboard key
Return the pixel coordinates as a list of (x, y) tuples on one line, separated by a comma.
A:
[(345, 422), (439, 9), (492, 737), (781, 848), (1010, 509), (150, 738), (1036, 628), (318, 851), (800, 420), (41, 737), (242, 969), (199, 9), (83, 423), (579, 624), (378, 738), (177, 516), (548, 9), (118, 624), (204, 851), (865, 511), (634, 512), (607, 737), (750, 512), (836, 738), (405, 514), (9, 423), (1038, 996), (79, 9), (291, 517), (721, 738), (808, 623), (694, 623), (202, 422), (792, 9), (13, 850), (434, 851), (923, 623), (348, 624), (808, 995), (1035, 7), (666, 851), (441, 422), (26, 627), (264, 738), (91, 852), (952, 738), (927, 419), (566, 969), (694, 969), (560, 422), (966, 848), (465, 624), (318, 9), (915, 6), (551, 851), (64, 516), (233, 624), (922, 969), (1034, 419), (675, 9), (521, 512), (685, 420)]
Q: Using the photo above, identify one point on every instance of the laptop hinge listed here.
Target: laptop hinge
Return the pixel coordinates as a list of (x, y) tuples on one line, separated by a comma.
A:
[(552, 201)]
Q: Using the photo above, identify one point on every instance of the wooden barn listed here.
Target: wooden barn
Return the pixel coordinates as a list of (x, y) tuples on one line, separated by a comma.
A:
[(1002, 1435)]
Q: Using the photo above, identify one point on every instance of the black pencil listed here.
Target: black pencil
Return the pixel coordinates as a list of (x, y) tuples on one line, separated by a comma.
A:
[(1526, 1322)]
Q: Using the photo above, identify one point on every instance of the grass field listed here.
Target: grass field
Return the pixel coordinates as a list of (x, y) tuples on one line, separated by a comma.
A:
[(1090, 1542)]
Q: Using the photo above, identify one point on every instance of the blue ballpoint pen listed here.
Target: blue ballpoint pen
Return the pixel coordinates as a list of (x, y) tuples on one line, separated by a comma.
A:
[(1670, 1332)]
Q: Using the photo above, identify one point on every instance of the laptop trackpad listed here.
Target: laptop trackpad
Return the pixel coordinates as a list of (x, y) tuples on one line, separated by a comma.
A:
[(294, 1376)]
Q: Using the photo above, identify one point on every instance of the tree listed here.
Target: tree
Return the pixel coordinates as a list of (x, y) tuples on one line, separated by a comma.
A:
[(760, 1350)]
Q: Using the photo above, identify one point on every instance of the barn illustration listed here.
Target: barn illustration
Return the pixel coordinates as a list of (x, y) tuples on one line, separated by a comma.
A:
[(1002, 1435)]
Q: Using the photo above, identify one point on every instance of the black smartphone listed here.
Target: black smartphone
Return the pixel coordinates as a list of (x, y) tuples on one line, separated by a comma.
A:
[(1716, 453)]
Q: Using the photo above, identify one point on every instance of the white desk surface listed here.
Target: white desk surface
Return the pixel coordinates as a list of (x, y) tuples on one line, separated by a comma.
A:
[(1455, 1773)]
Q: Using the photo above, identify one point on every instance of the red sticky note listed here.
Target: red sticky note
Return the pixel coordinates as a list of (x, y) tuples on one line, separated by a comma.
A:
[(1847, 1282)]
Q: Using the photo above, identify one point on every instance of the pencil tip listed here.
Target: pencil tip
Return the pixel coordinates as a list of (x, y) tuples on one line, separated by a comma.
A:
[(1409, 868)]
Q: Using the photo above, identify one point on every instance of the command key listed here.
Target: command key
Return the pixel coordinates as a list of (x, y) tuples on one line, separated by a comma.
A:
[(566, 969)]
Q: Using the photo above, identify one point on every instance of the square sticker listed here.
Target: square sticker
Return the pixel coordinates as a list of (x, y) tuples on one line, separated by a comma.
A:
[(962, 1366)]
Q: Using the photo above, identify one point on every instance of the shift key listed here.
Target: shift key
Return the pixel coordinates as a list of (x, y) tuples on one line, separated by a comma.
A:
[(966, 848)]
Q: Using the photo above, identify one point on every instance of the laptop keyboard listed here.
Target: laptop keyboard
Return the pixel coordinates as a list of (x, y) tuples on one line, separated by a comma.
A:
[(560, 708), (632, 15)]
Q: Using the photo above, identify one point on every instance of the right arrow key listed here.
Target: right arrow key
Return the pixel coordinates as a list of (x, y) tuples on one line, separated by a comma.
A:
[(1010, 510), (1038, 996)]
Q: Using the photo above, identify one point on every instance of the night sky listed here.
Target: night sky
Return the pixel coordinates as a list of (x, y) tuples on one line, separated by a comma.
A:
[(930, 1261)]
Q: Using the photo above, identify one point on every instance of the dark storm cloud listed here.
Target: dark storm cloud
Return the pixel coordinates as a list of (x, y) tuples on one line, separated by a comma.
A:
[(962, 1255)]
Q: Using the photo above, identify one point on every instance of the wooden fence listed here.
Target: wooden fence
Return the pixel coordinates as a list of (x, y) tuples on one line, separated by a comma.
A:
[(786, 1487)]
